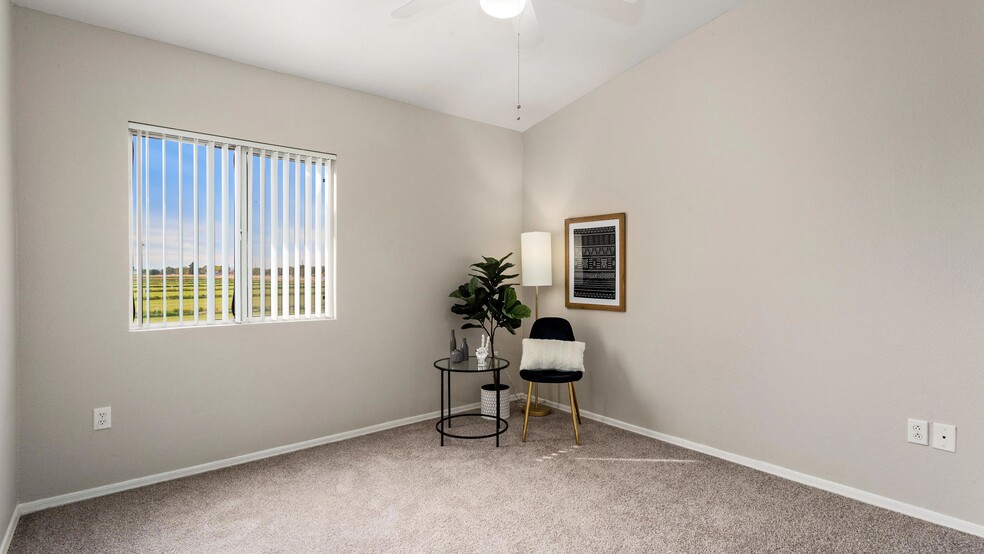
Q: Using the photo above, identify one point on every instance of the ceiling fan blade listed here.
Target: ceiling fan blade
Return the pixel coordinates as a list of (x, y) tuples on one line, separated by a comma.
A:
[(528, 28), (408, 9)]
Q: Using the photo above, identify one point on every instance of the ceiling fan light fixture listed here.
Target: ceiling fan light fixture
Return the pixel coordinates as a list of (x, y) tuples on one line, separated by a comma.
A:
[(503, 9)]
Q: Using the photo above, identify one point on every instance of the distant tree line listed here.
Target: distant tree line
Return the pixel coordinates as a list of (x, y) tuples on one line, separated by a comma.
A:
[(190, 270)]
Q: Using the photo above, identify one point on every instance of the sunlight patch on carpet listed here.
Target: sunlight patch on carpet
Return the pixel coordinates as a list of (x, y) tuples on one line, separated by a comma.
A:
[(661, 460)]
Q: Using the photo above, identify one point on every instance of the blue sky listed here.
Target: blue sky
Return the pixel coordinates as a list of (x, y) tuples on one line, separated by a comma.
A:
[(185, 207)]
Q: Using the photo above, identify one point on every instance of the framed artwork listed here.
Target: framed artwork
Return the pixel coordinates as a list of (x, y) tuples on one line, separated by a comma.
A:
[(595, 262)]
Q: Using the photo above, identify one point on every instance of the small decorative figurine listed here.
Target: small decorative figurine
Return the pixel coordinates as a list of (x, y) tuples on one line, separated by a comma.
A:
[(482, 352)]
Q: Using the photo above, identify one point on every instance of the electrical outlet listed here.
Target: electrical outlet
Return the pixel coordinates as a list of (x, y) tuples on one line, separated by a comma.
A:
[(918, 432), (102, 418), (945, 437)]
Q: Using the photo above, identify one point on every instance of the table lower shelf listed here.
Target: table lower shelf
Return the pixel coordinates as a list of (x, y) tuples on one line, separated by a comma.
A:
[(491, 419)]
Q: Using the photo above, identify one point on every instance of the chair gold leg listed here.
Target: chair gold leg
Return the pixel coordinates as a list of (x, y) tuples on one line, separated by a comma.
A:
[(526, 419), (577, 407), (577, 436)]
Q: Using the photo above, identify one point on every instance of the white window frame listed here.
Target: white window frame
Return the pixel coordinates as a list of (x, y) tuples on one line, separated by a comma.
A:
[(319, 221)]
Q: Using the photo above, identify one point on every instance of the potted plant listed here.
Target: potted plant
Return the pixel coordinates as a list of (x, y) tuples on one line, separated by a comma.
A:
[(487, 302)]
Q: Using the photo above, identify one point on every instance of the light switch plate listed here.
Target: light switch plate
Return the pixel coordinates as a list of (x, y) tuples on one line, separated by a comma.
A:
[(945, 437)]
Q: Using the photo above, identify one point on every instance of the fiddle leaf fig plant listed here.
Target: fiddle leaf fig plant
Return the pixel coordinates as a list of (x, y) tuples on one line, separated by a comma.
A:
[(487, 302)]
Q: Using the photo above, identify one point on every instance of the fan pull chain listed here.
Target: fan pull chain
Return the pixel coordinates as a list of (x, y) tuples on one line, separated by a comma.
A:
[(518, 105)]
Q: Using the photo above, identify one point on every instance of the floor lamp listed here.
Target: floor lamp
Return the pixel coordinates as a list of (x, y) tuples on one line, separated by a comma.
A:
[(535, 270)]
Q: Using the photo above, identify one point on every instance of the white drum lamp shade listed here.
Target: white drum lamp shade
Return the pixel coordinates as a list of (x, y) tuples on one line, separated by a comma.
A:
[(535, 265), (502, 9)]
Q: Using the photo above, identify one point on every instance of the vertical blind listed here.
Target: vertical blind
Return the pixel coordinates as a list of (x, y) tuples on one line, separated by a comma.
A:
[(225, 230)]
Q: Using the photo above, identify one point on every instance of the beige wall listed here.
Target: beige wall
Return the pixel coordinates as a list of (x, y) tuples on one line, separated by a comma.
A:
[(421, 195), (8, 387), (804, 184)]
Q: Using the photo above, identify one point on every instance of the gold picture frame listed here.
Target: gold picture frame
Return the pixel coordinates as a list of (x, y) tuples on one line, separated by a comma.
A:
[(594, 262)]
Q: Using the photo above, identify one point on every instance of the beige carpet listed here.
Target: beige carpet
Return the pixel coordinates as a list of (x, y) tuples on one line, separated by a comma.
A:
[(398, 491)]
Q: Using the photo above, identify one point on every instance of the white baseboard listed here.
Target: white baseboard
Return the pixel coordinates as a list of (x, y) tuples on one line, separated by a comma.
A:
[(786, 473), (45, 503), (11, 527)]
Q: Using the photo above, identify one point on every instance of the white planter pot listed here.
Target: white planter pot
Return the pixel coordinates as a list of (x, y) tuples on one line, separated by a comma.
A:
[(488, 401)]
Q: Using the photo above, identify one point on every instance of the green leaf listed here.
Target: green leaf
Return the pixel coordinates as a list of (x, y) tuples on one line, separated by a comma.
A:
[(521, 312), (510, 295)]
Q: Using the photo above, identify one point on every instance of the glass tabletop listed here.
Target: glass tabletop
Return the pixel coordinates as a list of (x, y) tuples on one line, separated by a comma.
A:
[(471, 365)]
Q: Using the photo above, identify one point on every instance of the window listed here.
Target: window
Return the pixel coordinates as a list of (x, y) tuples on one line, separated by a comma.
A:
[(228, 231)]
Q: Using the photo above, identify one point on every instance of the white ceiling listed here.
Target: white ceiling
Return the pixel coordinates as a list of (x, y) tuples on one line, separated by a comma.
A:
[(449, 57)]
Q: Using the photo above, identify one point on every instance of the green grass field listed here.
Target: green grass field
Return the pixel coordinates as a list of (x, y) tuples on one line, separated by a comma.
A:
[(154, 303)]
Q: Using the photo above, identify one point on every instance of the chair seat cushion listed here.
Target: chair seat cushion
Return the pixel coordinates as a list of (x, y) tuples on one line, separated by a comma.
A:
[(550, 375)]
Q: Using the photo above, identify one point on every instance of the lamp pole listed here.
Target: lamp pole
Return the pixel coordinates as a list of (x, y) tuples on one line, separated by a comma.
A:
[(536, 270)]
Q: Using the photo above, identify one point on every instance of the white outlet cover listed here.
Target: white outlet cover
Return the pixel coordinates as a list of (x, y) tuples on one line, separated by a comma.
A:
[(102, 418), (945, 437), (918, 432)]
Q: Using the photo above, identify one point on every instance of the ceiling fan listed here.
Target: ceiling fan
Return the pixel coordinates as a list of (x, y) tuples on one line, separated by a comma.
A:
[(520, 11)]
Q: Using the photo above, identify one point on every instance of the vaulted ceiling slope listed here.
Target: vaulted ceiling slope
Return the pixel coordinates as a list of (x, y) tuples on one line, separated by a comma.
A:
[(449, 56)]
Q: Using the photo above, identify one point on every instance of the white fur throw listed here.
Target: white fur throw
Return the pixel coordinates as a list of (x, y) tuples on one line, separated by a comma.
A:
[(562, 355)]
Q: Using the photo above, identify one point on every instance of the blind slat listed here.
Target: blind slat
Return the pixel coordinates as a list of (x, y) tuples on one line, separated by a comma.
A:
[(195, 230), (274, 262), (329, 236), (138, 236), (296, 239), (319, 185), (210, 232), (285, 234), (241, 272), (164, 230), (224, 232), (262, 186), (181, 237), (308, 176)]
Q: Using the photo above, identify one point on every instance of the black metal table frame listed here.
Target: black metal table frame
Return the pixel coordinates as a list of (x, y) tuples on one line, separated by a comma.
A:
[(501, 425)]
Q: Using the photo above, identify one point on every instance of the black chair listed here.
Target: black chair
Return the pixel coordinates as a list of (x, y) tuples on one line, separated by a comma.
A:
[(553, 328)]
